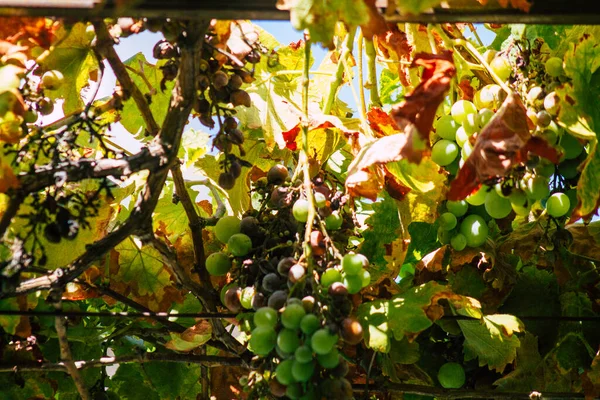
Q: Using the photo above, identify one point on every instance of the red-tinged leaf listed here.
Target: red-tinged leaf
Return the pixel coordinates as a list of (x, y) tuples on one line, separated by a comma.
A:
[(8, 180), (290, 138), (523, 5), (394, 45), (420, 106), (377, 24), (466, 90), (503, 143), (318, 122), (191, 338), (381, 123), (29, 31), (394, 187)]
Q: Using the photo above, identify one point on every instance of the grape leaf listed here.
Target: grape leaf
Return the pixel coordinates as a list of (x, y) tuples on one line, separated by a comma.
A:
[(142, 268), (75, 59), (491, 340), (527, 375), (416, 6), (394, 45), (181, 382), (194, 144), (147, 78), (573, 352), (591, 379), (8, 179), (129, 383), (504, 142), (467, 281), (423, 240), (373, 317), (191, 338)]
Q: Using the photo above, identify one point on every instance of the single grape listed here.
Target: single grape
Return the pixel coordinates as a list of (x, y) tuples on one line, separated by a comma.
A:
[(329, 360), (300, 210), (308, 302), (334, 221), (447, 221), (294, 391), (302, 372), (446, 127), (292, 315), (552, 103), (444, 152), (303, 354), (543, 119), (226, 227), (265, 317), (458, 242), (277, 174), (518, 197), (271, 282), (569, 169), (309, 324), (277, 299), (232, 299), (366, 277), (329, 276), (218, 264), (246, 297), (554, 67), (501, 67), (283, 372), (322, 341), (276, 388), (484, 116), (320, 200), (475, 230), (443, 236), (571, 146), (521, 210), (239, 244), (558, 205), (288, 340), (284, 265), (461, 136), (466, 150), (471, 123), (496, 206), (296, 273), (352, 263), (537, 188), (451, 376), (353, 283), (535, 95), (460, 109), (488, 96), (351, 330), (262, 340), (545, 169), (52, 80), (477, 198), (458, 208)]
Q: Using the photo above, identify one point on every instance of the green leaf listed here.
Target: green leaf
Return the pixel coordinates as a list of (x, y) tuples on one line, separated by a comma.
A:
[(423, 240), (147, 78), (528, 374), (141, 267), (194, 145), (7, 322), (404, 352), (573, 352), (416, 6), (129, 383), (75, 59), (373, 317), (181, 382), (491, 340), (467, 281)]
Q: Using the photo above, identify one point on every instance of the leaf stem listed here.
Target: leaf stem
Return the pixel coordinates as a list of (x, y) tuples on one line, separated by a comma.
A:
[(361, 80), (374, 99)]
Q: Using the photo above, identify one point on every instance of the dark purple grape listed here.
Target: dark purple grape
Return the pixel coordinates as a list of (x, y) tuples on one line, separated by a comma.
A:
[(235, 82), (163, 50), (240, 98), (52, 233), (258, 301), (277, 299), (229, 124), (236, 136), (226, 180), (271, 282), (284, 265), (338, 289), (220, 80), (277, 174), (235, 169)]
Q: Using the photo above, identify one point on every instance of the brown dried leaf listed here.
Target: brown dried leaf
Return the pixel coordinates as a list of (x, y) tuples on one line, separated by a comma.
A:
[(191, 338), (433, 262), (29, 31), (420, 106), (502, 144), (466, 90), (393, 45)]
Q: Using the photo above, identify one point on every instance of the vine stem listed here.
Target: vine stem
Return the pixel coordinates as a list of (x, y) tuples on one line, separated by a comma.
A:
[(374, 98), (471, 49), (361, 81), (304, 158), (346, 50)]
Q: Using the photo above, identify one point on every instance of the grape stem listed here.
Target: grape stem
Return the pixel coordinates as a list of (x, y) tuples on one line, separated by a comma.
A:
[(471, 49), (361, 80), (346, 50), (374, 99)]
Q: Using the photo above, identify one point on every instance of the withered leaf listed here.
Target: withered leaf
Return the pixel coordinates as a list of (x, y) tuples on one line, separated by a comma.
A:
[(503, 143), (420, 106)]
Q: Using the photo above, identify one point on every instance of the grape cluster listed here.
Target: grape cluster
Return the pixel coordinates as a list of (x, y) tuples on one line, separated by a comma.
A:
[(535, 184), (302, 308)]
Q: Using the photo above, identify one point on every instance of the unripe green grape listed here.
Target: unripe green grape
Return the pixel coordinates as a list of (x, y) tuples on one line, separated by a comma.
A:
[(535, 95), (309, 324), (518, 197), (353, 283), (292, 316), (330, 276), (320, 200), (471, 123), (466, 150), (300, 210), (521, 210), (352, 263), (488, 96), (334, 221), (461, 108), (501, 67), (444, 152), (283, 372), (322, 341), (554, 67), (302, 372), (543, 119), (303, 354), (458, 208), (365, 277), (262, 340), (288, 340), (329, 360), (571, 146), (446, 127), (265, 317), (246, 297), (443, 236), (294, 391), (550, 136), (451, 376), (496, 206), (239, 244), (218, 264), (447, 221), (552, 103), (537, 188), (477, 198), (226, 227), (462, 136), (484, 116), (52, 80), (458, 242), (475, 230), (545, 169), (558, 205)]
